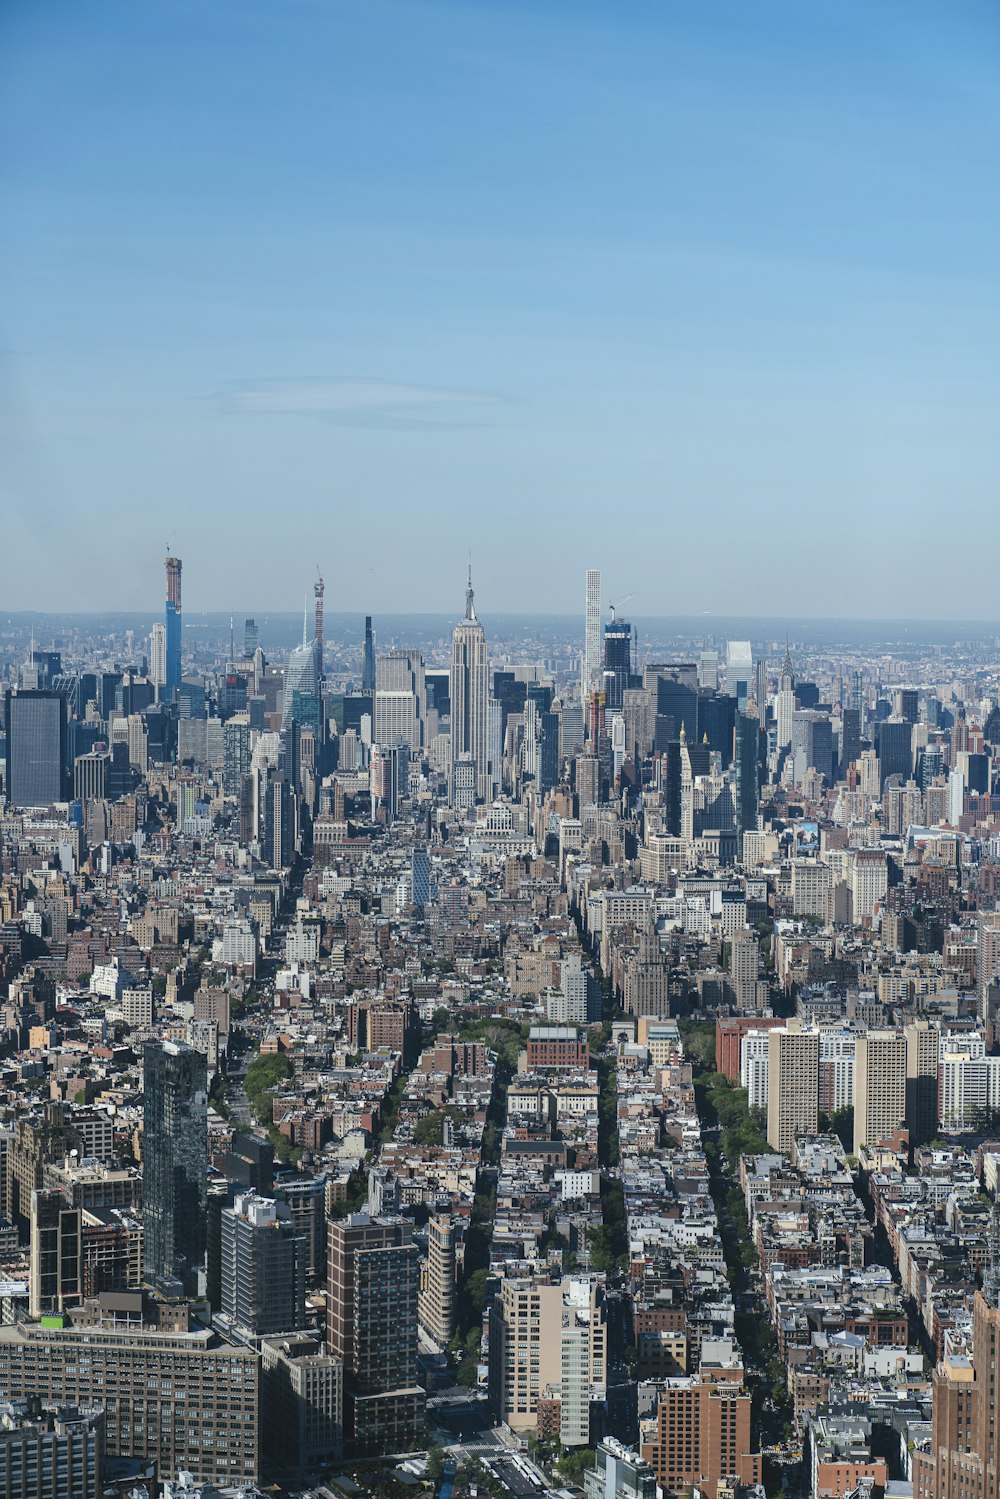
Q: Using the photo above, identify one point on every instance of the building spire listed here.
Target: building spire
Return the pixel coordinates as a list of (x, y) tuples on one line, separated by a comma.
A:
[(305, 620), (470, 608)]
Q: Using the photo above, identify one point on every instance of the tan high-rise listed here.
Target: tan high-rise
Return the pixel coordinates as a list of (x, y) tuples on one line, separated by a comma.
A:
[(548, 1343), (436, 1306), (923, 1046), (792, 1085), (879, 1087)]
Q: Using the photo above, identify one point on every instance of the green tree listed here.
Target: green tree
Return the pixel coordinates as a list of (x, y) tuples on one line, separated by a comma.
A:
[(435, 1463), (573, 1464), (429, 1129)]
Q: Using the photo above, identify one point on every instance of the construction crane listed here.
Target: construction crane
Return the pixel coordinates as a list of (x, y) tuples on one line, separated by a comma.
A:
[(615, 607)]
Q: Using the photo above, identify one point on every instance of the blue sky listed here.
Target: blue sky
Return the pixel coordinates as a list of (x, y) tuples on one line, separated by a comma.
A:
[(705, 294)]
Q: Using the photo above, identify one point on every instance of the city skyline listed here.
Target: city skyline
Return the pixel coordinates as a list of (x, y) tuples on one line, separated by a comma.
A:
[(480, 271), (545, 1044)]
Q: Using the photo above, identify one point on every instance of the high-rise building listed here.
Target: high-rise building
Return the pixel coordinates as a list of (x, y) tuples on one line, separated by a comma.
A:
[(263, 1278), (302, 1391), (174, 1152), (923, 1048), (437, 1280), (760, 690), (879, 1086), (318, 591), (182, 1398), (548, 1343), (746, 764), (739, 670), (420, 876), (470, 691), (56, 1265), (50, 1452), (987, 956), (850, 739), (964, 1457), (591, 678), (158, 658), (617, 663), (251, 639), (236, 753), (368, 658), (173, 629), (373, 1290), (895, 751), (784, 714), (618, 1473), (302, 675), (792, 1085), (35, 725), (701, 1434), (399, 699)]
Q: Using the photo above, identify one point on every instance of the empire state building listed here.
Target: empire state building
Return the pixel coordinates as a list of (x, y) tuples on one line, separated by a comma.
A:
[(470, 691)]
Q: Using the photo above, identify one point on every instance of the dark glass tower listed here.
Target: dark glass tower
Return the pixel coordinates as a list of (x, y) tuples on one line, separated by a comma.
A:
[(746, 760), (368, 658), (617, 662), (35, 724), (895, 752), (174, 1156)]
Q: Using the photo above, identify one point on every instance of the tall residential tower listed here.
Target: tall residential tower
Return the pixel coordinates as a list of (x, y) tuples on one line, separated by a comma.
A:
[(173, 625), (592, 643)]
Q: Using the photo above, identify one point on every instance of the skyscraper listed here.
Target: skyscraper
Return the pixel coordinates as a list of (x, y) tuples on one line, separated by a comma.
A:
[(368, 658), (792, 1085), (746, 758), (963, 1461), (400, 699), (420, 876), (35, 723), (592, 640), (739, 669), (470, 691), (373, 1290), (174, 1151), (879, 1086), (158, 657), (437, 1280), (301, 675), (263, 1273), (251, 638), (318, 590), (617, 662), (173, 628)]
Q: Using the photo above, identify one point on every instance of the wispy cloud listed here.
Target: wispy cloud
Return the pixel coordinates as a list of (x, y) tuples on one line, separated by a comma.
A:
[(364, 403)]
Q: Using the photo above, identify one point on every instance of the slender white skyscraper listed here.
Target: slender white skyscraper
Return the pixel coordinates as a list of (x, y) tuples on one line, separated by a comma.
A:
[(592, 663), (158, 655), (470, 692)]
